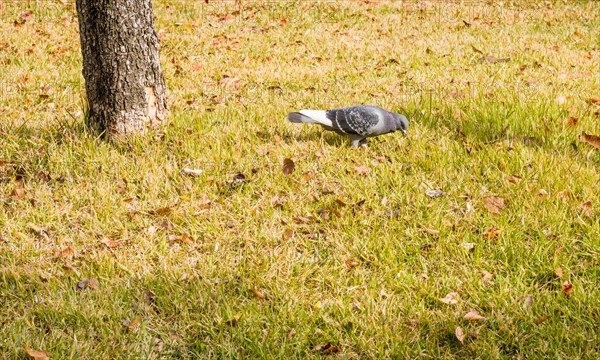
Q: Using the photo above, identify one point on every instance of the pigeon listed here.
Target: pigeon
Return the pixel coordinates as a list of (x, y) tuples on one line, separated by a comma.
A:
[(357, 122)]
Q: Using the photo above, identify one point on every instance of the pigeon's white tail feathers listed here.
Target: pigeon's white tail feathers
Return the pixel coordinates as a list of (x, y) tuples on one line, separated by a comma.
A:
[(316, 116), (296, 117)]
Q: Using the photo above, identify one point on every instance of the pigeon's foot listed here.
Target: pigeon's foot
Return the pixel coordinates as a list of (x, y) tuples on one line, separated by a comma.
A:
[(359, 142)]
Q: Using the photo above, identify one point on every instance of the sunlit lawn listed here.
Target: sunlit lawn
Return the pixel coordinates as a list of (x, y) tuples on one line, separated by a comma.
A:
[(114, 252)]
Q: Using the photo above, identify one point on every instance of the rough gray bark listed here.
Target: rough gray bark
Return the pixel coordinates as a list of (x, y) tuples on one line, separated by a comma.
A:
[(124, 83)]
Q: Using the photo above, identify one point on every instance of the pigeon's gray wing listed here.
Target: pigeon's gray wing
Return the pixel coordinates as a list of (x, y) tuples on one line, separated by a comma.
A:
[(355, 120)]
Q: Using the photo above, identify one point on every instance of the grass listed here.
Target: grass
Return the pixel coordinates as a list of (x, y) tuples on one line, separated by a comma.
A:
[(281, 266)]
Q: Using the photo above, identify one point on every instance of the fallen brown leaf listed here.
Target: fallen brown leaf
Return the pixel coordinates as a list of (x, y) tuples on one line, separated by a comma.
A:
[(473, 315), (308, 175), (572, 121), (36, 355), (161, 211), (491, 233), (92, 283), (67, 252), (487, 276), (259, 294), (135, 323), (590, 139), (181, 238), (351, 263), (287, 234), (110, 243), (327, 348), (362, 170), (494, 204), (567, 289), (514, 179), (18, 193), (301, 219), (587, 209), (231, 82), (565, 195), (559, 272), (192, 172), (234, 319), (288, 166), (528, 301), (460, 335), (541, 319), (450, 298), (476, 50), (594, 100)]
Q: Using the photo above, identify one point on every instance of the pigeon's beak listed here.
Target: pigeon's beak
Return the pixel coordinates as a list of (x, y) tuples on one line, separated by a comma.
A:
[(404, 133)]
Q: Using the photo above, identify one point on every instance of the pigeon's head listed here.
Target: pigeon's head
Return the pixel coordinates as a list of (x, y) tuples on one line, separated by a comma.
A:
[(401, 123)]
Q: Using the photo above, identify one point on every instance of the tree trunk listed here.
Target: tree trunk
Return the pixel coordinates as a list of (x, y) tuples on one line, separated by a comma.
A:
[(124, 84)]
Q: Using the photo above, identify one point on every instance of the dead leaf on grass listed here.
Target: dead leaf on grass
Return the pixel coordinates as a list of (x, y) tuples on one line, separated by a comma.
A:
[(594, 101), (92, 283), (259, 294), (450, 298), (287, 234), (494, 204), (567, 289), (161, 211), (491, 233), (590, 139), (513, 179), (351, 263), (528, 301), (327, 348), (572, 121), (181, 238), (301, 219), (18, 193), (36, 355), (473, 315), (234, 319), (559, 272), (288, 166), (111, 244), (132, 325), (192, 172), (308, 175), (476, 50), (565, 195), (487, 276), (362, 170), (541, 319), (231, 82), (460, 335), (587, 209), (67, 252), (434, 193)]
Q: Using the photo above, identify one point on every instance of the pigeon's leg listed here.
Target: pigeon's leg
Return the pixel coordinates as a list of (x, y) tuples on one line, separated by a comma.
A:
[(356, 140)]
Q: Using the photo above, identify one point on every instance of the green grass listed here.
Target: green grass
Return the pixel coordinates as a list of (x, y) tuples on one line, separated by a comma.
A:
[(357, 261)]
